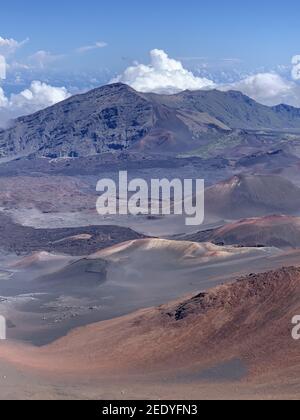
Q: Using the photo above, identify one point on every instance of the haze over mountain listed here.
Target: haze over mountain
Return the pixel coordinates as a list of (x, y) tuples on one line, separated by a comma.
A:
[(235, 338), (15, 238), (116, 117), (277, 231), (245, 196), (213, 331)]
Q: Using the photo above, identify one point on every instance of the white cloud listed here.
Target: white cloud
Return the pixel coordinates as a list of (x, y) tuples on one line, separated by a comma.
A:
[(162, 75), (2, 67), (296, 67), (3, 99), (38, 96), (9, 46), (43, 58), (268, 88), (96, 46), (166, 75)]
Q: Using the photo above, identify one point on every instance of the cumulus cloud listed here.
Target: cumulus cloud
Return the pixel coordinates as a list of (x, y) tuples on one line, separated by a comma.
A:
[(38, 96), (296, 67), (9, 46), (96, 46), (162, 75), (167, 75), (269, 89)]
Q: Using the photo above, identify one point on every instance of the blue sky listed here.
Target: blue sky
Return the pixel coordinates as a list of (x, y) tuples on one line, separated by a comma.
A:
[(75, 46), (260, 33)]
